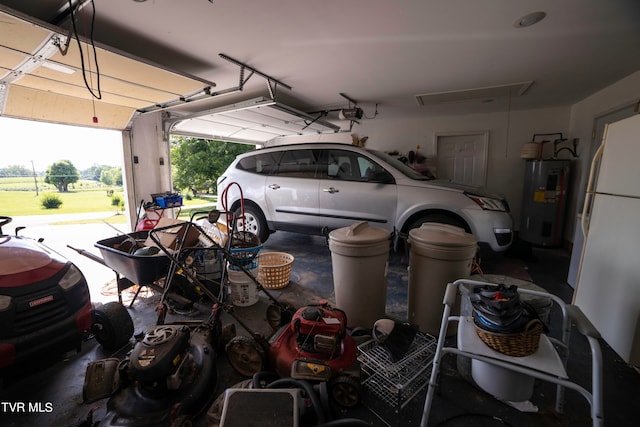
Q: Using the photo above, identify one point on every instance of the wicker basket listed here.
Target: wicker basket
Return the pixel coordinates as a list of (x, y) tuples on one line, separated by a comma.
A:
[(274, 269), (515, 344)]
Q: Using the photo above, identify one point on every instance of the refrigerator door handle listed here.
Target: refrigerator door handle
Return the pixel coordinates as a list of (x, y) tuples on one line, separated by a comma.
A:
[(588, 199)]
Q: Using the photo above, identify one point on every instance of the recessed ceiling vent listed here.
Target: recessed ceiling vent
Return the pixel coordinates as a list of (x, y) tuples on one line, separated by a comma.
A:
[(481, 94)]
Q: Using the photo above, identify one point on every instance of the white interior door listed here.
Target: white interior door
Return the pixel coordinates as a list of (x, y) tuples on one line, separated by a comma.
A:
[(462, 157)]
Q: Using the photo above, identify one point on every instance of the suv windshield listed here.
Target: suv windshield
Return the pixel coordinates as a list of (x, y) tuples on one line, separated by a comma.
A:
[(406, 170)]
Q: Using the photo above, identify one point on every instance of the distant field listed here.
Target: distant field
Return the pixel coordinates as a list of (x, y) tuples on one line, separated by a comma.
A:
[(28, 184), (87, 196)]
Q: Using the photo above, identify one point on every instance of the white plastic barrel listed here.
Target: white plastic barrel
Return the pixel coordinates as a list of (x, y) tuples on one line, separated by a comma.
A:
[(439, 254), (359, 259), (242, 289)]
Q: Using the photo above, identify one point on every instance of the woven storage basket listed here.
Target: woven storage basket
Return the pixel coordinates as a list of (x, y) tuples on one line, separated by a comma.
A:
[(515, 344), (274, 269)]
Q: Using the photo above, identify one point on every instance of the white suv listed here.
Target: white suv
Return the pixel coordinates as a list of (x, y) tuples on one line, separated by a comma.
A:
[(315, 188)]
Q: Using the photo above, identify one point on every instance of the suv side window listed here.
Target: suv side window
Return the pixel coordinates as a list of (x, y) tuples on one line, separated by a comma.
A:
[(262, 163), (298, 164), (347, 166)]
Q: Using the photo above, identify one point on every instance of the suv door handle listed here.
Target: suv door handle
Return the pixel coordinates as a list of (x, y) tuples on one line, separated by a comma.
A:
[(274, 186), (330, 190)]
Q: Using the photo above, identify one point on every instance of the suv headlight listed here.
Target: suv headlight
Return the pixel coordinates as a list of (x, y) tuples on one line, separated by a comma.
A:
[(489, 203), (5, 302), (72, 277)]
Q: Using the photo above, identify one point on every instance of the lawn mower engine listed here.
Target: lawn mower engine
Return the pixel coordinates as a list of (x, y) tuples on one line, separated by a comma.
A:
[(315, 346), (169, 376)]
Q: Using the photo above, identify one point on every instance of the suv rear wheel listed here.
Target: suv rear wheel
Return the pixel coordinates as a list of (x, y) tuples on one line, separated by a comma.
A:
[(253, 222)]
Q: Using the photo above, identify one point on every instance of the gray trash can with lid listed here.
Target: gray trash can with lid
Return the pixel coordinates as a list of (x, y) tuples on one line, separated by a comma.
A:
[(359, 259), (440, 253)]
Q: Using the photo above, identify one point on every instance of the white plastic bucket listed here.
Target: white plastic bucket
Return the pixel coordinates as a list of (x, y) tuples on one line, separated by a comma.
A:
[(243, 290)]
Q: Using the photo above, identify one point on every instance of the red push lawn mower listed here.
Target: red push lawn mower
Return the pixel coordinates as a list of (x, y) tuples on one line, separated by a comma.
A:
[(314, 346)]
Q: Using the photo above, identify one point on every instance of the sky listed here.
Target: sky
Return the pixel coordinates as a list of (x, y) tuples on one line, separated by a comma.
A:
[(23, 141)]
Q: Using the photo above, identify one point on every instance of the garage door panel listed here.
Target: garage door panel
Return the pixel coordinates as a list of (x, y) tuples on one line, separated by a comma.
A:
[(48, 106), (10, 59), (20, 35), (123, 68), (33, 91)]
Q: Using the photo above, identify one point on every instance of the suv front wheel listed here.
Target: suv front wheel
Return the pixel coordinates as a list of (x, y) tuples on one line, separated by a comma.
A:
[(437, 218), (253, 221)]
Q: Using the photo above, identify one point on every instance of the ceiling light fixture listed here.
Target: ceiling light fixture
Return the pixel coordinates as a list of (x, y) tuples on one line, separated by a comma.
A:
[(58, 67), (529, 19), (4, 89)]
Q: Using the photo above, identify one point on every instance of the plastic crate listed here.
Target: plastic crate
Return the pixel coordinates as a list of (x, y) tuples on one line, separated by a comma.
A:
[(173, 201)]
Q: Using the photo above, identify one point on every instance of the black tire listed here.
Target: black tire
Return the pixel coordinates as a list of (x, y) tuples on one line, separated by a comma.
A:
[(345, 391), (112, 325), (254, 221), (182, 421), (437, 218)]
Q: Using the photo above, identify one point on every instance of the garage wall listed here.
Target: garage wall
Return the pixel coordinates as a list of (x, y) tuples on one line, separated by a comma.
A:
[(505, 168), (148, 157)]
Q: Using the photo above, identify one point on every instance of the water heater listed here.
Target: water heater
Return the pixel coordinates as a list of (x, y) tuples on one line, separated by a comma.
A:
[(544, 201)]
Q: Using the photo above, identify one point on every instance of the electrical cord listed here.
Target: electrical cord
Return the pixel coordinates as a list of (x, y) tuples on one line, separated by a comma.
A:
[(472, 414), (97, 95)]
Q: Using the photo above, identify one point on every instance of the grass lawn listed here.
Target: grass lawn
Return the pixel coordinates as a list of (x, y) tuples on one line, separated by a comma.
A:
[(20, 203), (17, 203)]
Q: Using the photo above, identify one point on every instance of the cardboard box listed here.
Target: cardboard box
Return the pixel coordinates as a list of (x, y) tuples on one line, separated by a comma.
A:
[(170, 237)]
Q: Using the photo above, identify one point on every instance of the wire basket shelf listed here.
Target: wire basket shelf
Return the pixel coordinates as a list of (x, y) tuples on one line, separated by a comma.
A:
[(396, 383)]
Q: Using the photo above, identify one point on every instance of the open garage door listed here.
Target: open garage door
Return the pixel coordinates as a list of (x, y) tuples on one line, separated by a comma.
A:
[(253, 121), (41, 78)]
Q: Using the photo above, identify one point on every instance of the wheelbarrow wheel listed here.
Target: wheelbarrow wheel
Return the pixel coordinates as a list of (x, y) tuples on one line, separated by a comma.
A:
[(112, 325)]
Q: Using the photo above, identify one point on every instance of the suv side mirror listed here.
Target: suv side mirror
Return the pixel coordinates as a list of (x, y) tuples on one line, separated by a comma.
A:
[(381, 176)]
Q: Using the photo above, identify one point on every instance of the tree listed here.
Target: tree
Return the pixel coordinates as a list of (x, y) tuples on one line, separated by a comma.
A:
[(111, 176), (15, 170), (197, 163), (61, 174), (93, 172)]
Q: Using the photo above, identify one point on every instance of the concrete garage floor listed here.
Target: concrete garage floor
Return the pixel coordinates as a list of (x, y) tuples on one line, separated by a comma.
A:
[(58, 388)]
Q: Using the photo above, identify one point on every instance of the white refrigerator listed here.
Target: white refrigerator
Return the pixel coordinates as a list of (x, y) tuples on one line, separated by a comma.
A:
[(608, 281)]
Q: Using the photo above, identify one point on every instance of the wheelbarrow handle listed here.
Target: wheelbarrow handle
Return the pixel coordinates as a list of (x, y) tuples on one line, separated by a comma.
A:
[(89, 255)]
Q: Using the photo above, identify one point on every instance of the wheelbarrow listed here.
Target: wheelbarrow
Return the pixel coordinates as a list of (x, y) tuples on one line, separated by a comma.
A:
[(130, 269)]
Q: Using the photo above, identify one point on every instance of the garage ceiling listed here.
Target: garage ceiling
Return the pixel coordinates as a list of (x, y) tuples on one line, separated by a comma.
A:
[(411, 58)]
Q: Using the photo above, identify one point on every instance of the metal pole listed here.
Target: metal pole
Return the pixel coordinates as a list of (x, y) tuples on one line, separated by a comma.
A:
[(33, 168)]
